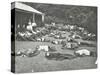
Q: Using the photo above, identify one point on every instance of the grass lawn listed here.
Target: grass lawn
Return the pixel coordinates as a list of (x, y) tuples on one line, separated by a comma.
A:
[(40, 64)]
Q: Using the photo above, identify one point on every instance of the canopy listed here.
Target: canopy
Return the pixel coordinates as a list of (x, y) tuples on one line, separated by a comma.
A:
[(25, 7)]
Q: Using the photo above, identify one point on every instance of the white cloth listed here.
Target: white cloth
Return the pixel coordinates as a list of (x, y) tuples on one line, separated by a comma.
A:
[(83, 51), (29, 27), (43, 47), (34, 24)]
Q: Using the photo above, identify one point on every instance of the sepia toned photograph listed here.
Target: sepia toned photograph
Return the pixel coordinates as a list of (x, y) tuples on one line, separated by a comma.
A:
[(53, 37)]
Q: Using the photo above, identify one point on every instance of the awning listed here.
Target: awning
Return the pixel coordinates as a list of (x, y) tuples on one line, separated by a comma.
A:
[(25, 7)]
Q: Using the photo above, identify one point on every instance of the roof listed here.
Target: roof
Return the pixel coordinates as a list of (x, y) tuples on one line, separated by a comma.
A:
[(25, 7)]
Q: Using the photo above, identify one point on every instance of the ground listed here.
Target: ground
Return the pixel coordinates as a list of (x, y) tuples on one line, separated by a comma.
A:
[(40, 64)]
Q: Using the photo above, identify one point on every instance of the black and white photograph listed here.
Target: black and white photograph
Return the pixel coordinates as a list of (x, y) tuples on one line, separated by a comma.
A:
[(53, 37)]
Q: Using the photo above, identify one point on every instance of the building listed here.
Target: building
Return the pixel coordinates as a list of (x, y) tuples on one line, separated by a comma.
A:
[(21, 14)]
